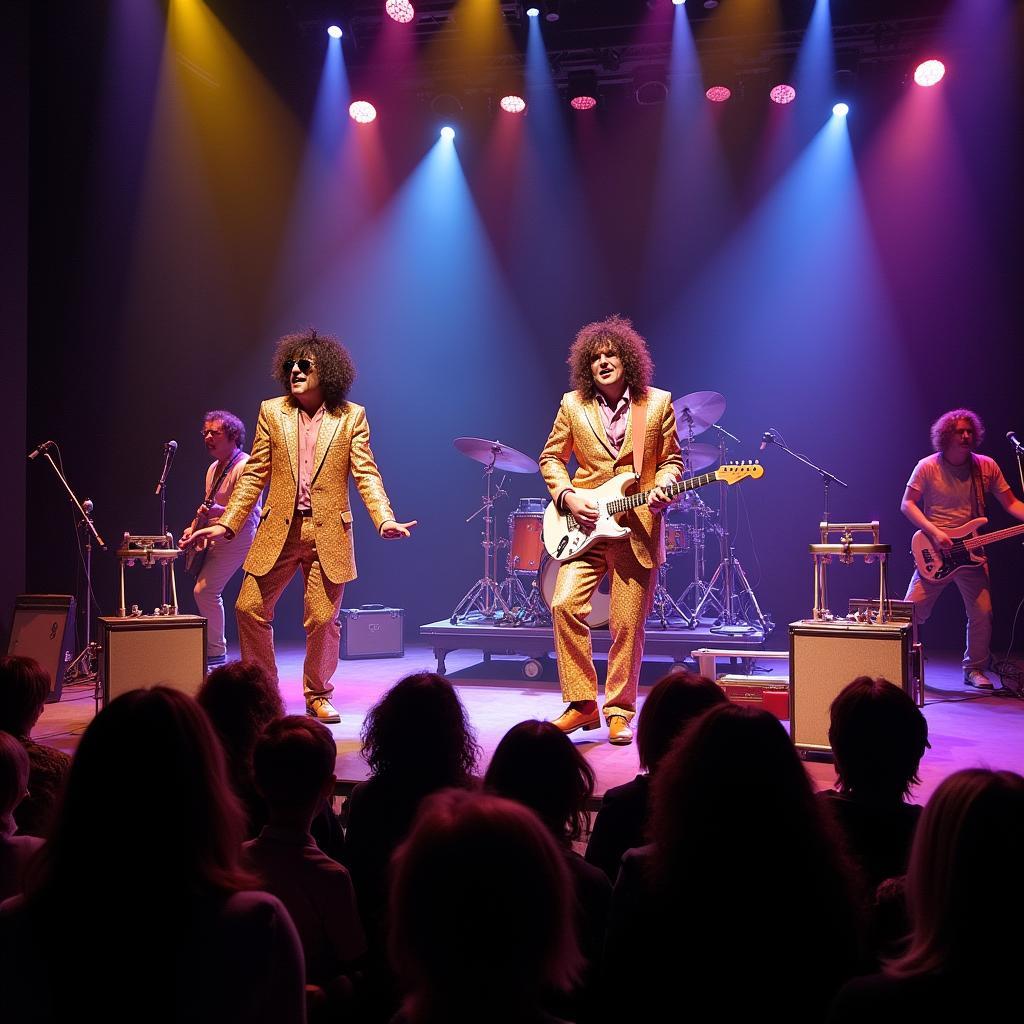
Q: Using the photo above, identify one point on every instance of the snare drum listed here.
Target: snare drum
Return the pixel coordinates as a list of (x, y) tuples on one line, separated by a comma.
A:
[(525, 526), (600, 603), (677, 538)]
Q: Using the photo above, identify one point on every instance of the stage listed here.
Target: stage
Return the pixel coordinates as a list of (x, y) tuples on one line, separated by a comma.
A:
[(967, 728)]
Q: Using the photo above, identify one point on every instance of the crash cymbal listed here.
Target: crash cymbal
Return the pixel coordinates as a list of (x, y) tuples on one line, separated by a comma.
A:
[(702, 408), (501, 455), (700, 456)]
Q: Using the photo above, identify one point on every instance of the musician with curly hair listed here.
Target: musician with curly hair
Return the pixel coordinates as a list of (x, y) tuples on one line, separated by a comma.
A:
[(308, 444), (945, 492), (611, 403)]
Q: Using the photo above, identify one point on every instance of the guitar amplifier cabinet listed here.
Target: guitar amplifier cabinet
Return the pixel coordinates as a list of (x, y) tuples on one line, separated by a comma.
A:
[(44, 629), (372, 631), (825, 656), (154, 650)]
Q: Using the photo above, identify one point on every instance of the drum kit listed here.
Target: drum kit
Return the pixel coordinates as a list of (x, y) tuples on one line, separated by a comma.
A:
[(524, 596)]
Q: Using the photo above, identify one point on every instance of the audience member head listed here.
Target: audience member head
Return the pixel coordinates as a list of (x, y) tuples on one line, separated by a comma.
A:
[(481, 910), (878, 736), (537, 765), (418, 732), (962, 905), (241, 699), (24, 684), (674, 701), (13, 779), (146, 808), (293, 764)]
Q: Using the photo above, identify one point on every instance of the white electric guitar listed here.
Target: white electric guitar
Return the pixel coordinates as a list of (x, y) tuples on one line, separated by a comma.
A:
[(935, 564), (565, 539)]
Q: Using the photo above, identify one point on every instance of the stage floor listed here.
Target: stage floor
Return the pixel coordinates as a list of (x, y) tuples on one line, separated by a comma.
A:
[(967, 728)]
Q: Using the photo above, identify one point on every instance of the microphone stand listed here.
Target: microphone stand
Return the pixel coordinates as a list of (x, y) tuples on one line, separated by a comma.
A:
[(85, 666), (161, 490), (1018, 451), (771, 437)]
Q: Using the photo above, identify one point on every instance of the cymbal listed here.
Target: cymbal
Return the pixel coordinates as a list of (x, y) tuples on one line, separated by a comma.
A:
[(504, 458), (700, 456), (702, 408)]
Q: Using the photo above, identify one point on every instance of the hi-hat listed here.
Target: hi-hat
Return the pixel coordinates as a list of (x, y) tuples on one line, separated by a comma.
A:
[(699, 408), (700, 456), (501, 456)]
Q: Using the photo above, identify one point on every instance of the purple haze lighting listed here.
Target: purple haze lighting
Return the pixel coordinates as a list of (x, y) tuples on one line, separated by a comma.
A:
[(718, 93), (929, 73), (362, 112), (513, 104), (334, 31), (783, 94), (400, 10)]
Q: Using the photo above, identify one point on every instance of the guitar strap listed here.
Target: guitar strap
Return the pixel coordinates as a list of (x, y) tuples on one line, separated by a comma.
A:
[(208, 502), (639, 428), (979, 491)]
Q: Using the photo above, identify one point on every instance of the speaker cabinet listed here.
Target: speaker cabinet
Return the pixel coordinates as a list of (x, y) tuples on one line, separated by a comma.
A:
[(158, 650), (44, 629), (824, 657)]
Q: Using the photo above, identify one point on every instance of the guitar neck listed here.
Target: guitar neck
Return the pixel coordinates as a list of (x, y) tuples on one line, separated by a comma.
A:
[(641, 497), (991, 538)]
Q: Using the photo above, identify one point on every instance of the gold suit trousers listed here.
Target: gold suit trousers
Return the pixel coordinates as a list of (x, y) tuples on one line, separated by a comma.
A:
[(321, 602), (631, 595)]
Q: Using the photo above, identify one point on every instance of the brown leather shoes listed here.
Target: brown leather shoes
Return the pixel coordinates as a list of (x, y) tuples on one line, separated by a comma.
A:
[(619, 731), (572, 718)]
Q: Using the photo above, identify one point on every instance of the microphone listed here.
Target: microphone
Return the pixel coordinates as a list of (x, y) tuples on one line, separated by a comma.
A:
[(766, 439), (170, 447), (1010, 436), (36, 452)]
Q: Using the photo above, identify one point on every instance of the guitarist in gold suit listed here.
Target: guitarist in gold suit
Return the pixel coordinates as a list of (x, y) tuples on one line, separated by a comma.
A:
[(307, 445), (945, 491), (598, 422)]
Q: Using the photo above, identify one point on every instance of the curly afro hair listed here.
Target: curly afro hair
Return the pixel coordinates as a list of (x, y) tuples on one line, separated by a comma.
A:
[(617, 335), (944, 427), (333, 364)]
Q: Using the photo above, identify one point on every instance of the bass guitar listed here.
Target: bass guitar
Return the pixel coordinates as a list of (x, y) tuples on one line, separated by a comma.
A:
[(968, 549), (565, 539)]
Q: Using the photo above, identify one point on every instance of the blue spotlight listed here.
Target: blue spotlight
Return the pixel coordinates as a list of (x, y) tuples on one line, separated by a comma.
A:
[(841, 109), (679, 3), (447, 133), (334, 32), (533, 12)]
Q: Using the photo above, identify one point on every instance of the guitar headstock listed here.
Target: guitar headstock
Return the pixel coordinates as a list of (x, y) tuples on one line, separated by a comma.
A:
[(734, 472)]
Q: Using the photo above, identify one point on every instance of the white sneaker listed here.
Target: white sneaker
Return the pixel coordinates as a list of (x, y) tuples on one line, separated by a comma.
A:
[(977, 678), (322, 710)]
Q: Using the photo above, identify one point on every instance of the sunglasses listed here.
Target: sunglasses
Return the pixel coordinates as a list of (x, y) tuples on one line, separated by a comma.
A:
[(304, 365)]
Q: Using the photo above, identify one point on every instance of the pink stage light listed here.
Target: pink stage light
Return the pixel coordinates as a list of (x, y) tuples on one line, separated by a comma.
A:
[(400, 10), (362, 112), (783, 94), (929, 72), (513, 104), (583, 102), (718, 93)]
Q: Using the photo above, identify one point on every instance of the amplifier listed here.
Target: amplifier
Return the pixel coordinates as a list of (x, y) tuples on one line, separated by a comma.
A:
[(154, 650), (825, 656), (372, 631), (44, 629)]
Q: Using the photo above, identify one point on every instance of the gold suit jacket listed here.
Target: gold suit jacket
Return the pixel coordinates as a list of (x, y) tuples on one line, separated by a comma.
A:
[(579, 431), (342, 449)]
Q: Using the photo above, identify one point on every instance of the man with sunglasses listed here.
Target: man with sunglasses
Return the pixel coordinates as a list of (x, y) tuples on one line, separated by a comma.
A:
[(307, 445)]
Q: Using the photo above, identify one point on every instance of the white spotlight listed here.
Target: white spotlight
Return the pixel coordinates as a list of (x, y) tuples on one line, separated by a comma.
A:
[(447, 133)]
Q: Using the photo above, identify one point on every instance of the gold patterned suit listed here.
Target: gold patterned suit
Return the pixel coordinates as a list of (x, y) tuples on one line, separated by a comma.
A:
[(320, 544), (631, 564)]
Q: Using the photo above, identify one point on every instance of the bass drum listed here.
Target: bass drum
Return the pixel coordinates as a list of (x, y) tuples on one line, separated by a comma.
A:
[(600, 603)]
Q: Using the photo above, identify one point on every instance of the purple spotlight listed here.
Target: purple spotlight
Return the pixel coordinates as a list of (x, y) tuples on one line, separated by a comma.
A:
[(583, 102), (362, 112), (512, 104), (929, 73), (783, 94), (718, 93), (401, 11), (334, 31)]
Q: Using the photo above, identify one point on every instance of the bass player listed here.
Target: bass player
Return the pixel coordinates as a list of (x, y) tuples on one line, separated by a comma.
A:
[(946, 491), (611, 405)]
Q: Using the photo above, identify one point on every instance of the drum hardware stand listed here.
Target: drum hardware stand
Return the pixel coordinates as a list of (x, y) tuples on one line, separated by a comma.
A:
[(728, 574), (85, 667), (697, 590), (663, 607), (483, 599)]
